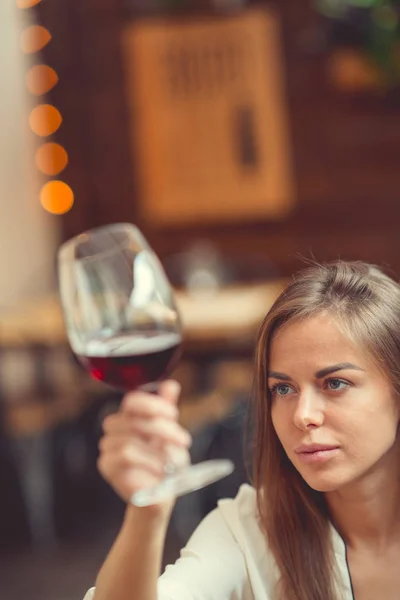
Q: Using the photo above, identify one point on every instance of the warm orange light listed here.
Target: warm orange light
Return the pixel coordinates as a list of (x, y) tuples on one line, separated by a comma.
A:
[(34, 38), (45, 119), (56, 197), (27, 3), (51, 159), (40, 79)]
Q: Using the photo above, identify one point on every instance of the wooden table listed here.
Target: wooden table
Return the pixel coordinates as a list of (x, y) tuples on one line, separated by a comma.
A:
[(227, 316), (214, 325)]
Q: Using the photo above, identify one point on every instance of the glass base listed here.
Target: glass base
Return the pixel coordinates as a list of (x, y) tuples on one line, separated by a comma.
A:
[(185, 480)]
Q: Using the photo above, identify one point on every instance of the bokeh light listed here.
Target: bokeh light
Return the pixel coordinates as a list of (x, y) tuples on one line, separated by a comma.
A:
[(34, 38), (51, 158), (45, 119), (27, 3), (40, 79), (56, 197)]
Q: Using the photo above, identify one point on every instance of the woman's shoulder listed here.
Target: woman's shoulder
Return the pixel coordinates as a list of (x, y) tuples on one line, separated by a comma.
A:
[(242, 506), (235, 520), (241, 517), (246, 495), (240, 514), (227, 554)]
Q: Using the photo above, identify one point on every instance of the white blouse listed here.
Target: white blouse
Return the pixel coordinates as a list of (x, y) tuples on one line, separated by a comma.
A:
[(227, 558)]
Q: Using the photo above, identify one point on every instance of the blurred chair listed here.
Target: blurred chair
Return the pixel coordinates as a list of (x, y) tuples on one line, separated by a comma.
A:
[(43, 395)]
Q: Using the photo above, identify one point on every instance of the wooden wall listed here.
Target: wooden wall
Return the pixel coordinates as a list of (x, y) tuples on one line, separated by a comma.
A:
[(346, 149)]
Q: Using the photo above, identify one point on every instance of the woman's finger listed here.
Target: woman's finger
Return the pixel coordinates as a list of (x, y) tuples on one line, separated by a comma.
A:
[(170, 389), (162, 430), (132, 457), (165, 430), (145, 405)]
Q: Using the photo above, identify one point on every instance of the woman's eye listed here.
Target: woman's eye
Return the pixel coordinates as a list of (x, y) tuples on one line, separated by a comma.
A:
[(336, 384), (281, 389)]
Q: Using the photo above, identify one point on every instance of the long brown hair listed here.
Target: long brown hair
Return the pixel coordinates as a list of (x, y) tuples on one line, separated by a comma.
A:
[(294, 517)]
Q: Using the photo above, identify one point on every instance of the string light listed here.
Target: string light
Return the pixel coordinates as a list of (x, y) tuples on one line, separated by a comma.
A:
[(34, 38), (40, 79), (56, 197), (27, 3), (51, 158), (44, 120)]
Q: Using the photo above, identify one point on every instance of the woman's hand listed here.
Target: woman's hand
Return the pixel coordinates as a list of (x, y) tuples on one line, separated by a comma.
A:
[(141, 438)]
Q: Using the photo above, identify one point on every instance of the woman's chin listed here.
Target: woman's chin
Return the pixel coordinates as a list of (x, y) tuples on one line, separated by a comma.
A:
[(323, 484)]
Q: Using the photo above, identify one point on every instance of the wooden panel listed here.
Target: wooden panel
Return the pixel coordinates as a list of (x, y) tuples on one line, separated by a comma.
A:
[(209, 119), (101, 59), (345, 148)]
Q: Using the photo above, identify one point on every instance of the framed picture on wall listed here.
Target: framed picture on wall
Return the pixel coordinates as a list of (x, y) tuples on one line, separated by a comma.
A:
[(209, 125)]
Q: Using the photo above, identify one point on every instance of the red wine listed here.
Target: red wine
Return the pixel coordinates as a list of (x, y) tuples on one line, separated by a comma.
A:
[(132, 360)]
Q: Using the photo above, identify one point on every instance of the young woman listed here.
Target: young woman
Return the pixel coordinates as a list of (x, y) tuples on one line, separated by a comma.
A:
[(322, 521)]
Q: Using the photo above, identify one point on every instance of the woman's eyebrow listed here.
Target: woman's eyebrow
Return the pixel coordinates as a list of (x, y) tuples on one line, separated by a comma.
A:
[(334, 368), (277, 375), (319, 374)]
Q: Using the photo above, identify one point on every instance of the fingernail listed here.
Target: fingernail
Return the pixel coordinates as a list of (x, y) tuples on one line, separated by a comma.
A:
[(173, 410), (174, 388), (187, 438)]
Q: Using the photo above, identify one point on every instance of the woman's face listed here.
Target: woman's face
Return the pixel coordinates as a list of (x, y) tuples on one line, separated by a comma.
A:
[(333, 410)]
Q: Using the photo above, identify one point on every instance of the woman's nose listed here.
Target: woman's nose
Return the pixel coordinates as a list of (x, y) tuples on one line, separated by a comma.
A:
[(309, 411)]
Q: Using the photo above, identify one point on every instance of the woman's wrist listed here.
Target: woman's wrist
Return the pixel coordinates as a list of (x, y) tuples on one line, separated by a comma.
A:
[(151, 519)]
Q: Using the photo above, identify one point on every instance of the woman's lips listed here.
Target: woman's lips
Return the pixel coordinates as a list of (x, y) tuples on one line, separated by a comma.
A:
[(316, 453)]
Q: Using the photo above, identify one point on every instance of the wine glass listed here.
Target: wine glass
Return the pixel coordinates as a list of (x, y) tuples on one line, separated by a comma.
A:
[(124, 328)]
